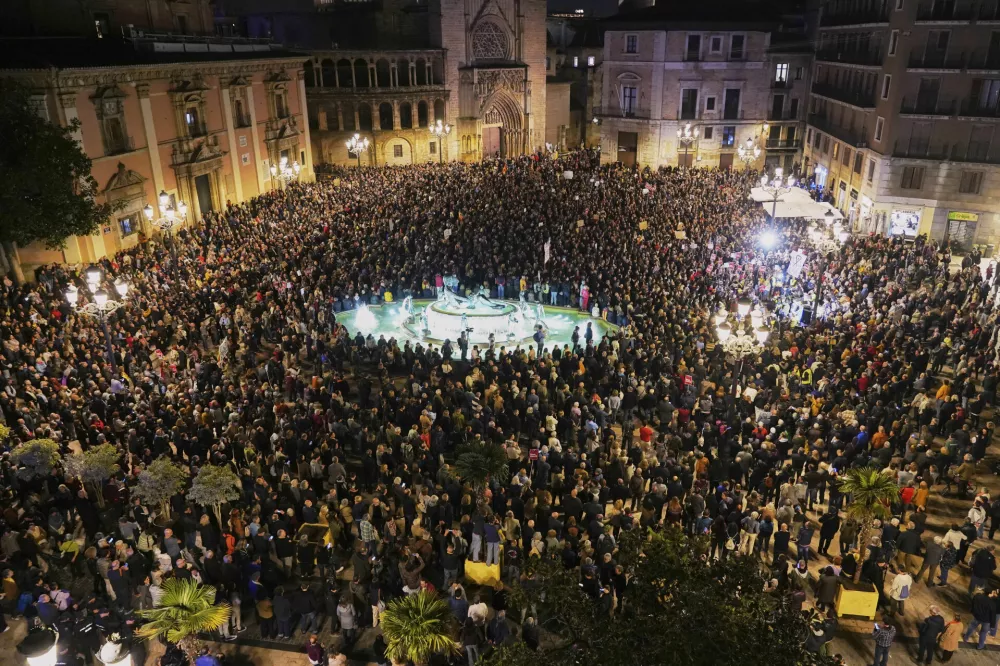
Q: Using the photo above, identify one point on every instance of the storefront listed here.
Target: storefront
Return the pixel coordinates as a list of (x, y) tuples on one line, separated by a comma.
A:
[(960, 229), (905, 222)]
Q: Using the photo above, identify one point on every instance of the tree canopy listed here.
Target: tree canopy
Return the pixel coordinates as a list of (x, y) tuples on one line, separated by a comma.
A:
[(160, 481), (35, 458), (680, 608), (46, 190)]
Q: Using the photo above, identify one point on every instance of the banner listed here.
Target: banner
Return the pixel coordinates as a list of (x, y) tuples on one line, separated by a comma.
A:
[(796, 264), (548, 248)]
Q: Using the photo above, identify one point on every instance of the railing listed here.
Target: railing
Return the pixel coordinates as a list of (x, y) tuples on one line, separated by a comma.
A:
[(928, 107), (977, 153), (927, 61), (980, 60), (857, 98), (120, 146), (975, 110), (774, 144), (867, 58), (783, 115), (854, 18), (781, 85), (946, 12), (615, 111), (851, 137)]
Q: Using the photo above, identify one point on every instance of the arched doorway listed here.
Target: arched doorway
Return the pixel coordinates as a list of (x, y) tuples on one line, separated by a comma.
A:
[(502, 127)]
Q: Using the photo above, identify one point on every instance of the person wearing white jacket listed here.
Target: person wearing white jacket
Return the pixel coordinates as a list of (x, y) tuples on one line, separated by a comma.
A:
[(900, 591)]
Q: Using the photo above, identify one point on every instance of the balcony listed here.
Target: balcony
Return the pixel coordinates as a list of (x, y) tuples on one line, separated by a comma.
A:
[(936, 62), (120, 146), (921, 150), (851, 137), (863, 58), (983, 61), (635, 112), (922, 107), (868, 17), (944, 13), (783, 115), (783, 144), (972, 109), (783, 84), (858, 98), (973, 152)]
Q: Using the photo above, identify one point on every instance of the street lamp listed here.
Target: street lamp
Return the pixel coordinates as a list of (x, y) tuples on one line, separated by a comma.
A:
[(776, 186), (39, 647), (742, 333), (169, 216), (114, 652), (748, 152), (686, 136), (357, 145), (441, 131), (285, 173), (101, 306), (827, 246)]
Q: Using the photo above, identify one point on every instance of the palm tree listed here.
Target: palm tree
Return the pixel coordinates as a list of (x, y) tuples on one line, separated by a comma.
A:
[(418, 626), (186, 609), (478, 463), (872, 492)]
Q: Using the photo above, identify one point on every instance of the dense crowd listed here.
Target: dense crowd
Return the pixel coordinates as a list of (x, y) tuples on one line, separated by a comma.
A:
[(229, 353)]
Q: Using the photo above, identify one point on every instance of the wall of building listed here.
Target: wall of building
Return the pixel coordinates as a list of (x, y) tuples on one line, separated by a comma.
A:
[(155, 150), (557, 117)]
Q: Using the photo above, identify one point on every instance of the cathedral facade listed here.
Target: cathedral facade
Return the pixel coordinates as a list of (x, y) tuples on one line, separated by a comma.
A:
[(477, 66)]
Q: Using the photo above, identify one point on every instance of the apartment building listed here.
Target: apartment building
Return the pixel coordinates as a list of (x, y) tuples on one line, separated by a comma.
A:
[(903, 115), (715, 69)]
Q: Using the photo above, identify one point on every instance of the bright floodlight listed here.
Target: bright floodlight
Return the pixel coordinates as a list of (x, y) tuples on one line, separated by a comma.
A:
[(768, 240), (743, 306), (724, 331), (72, 295)]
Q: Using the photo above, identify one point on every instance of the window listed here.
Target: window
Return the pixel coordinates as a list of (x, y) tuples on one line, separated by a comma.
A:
[(793, 109), (893, 42), (728, 135), (182, 24), (971, 182), (716, 45), (846, 157), (886, 82), (280, 108), (192, 121), (871, 170), (942, 40), (689, 104), (397, 150), (879, 125), (576, 61), (989, 94), (736, 47), (591, 61), (836, 150), (102, 24), (128, 225), (818, 140), (798, 73), (826, 145), (434, 148), (629, 94), (710, 104), (693, 48), (731, 105), (631, 43), (913, 178), (899, 5), (781, 72), (858, 162), (809, 135), (708, 133)]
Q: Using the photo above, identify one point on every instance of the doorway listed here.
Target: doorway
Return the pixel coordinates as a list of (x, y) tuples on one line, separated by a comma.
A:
[(628, 147), (491, 141), (204, 189)]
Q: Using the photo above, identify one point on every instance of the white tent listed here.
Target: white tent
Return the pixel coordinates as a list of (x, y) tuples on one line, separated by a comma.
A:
[(794, 203)]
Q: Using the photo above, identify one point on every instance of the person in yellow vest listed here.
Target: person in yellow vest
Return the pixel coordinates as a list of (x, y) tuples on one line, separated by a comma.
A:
[(807, 377)]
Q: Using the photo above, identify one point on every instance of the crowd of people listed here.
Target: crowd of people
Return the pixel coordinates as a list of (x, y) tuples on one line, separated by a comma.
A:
[(229, 352)]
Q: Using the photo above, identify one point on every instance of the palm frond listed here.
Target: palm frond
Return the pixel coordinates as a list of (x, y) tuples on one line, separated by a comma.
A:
[(478, 462), (185, 609), (871, 491), (417, 627)]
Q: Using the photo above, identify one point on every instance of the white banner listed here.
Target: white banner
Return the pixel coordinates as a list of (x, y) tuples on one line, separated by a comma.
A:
[(796, 264), (548, 248)]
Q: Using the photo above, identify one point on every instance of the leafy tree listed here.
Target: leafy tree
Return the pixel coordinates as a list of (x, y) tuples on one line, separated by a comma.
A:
[(159, 482), (94, 467), (681, 608), (213, 486), (35, 458), (417, 627), (477, 464), (872, 493), (46, 191), (186, 609)]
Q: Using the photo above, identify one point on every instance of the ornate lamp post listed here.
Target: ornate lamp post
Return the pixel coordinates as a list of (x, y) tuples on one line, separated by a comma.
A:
[(686, 136), (357, 145), (169, 218), (39, 647), (748, 152), (741, 333), (776, 186), (441, 131), (826, 246), (101, 306), (285, 173)]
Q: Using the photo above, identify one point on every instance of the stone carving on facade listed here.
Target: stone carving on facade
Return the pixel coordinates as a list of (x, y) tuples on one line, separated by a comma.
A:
[(124, 185), (490, 42)]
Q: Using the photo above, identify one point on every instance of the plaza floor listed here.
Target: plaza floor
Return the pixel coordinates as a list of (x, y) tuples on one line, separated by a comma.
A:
[(389, 322)]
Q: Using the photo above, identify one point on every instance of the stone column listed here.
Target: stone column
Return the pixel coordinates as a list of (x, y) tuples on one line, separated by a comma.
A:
[(234, 158), (340, 117), (255, 138), (307, 168), (395, 115), (318, 73)]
